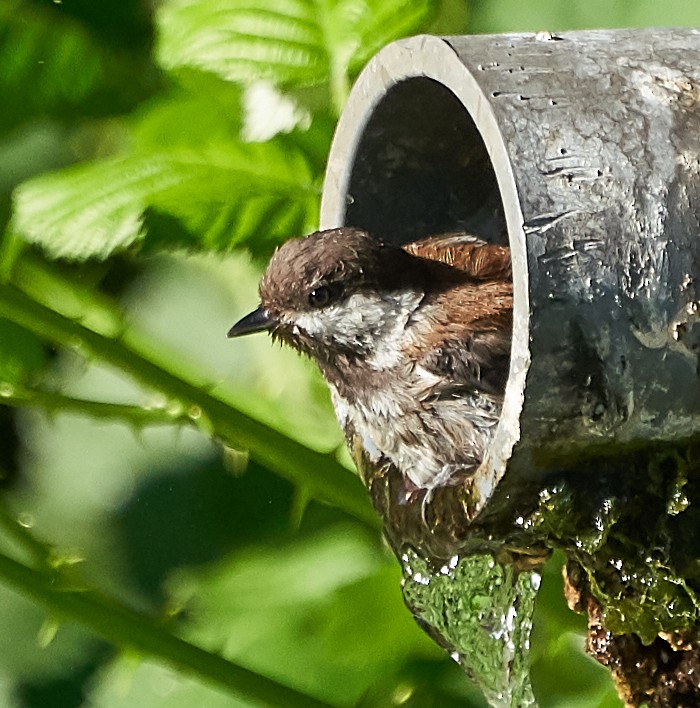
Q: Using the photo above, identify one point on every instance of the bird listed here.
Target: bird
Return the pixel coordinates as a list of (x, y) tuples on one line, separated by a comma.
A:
[(413, 341)]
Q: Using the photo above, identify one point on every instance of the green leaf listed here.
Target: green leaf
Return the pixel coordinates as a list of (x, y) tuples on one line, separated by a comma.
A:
[(325, 611), (280, 40), (199, 109), (380, 23), (288, 42), (223, 192), (21, 353), (51, 65)]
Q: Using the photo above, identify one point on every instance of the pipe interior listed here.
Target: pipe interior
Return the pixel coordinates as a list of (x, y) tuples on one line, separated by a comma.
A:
[(421, 168)]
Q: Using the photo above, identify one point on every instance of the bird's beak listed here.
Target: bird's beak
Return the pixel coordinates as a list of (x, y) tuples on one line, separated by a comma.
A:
[(257, 321)]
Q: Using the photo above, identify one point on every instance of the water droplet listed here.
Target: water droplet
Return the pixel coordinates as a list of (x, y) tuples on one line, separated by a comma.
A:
[(6, 390), (422, 579), (26, 520), (156, 402), (194, 412)]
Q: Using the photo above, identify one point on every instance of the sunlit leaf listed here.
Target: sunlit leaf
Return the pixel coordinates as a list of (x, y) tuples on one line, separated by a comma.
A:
[(95, 209), (292, 42), (275, 39)]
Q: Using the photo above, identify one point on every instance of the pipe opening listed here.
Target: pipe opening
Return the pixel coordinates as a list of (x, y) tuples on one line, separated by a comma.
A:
[(418, 152), (422, 168)]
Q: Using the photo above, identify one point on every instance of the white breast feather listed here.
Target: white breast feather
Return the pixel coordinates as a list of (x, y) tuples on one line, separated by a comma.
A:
[(452, 434), (371, 323)]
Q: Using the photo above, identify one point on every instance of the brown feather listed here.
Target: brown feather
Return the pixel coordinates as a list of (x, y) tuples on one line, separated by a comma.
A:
[(415, 347), (483, 261)]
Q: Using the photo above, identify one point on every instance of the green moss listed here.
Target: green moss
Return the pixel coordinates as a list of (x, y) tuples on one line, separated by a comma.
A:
[(630, 522)]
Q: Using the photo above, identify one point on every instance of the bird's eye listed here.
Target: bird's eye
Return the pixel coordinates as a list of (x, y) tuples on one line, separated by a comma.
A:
[(324, 295)]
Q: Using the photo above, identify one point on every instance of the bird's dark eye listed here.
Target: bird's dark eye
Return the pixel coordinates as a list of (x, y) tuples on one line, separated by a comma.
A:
[(324, 295)]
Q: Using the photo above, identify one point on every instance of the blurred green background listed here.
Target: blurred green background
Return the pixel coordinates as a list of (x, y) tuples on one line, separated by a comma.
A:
[(152, 154)]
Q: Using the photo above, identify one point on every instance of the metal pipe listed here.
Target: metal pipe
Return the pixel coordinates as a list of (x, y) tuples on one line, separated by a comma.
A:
[(584, 146)]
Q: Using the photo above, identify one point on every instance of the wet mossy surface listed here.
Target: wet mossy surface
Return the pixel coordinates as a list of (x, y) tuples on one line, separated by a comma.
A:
[(628, 522), (631, 522)]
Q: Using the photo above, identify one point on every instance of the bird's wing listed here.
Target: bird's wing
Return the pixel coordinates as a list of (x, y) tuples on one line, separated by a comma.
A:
[(480, 260), (476, 364), (470, 350)]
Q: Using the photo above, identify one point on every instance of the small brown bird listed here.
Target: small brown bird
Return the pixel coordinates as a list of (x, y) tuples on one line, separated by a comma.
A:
[(413, 341)]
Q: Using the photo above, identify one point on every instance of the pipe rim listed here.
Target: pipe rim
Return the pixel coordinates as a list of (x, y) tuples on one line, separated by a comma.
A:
[(427, 56)]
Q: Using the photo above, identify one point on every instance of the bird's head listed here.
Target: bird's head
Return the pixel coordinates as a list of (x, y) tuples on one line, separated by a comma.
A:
[(335, 292)]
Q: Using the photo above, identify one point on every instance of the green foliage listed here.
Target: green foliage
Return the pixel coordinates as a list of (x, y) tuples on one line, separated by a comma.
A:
[(21, 353), (289, 42), (222, 193), (180, 508), (333, 588), (186, 161), (52, 65), (186, 176)]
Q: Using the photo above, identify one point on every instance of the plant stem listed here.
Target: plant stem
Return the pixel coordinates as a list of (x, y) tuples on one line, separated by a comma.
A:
[(319, 474), (128, 629), (13, 530), (54, 402)]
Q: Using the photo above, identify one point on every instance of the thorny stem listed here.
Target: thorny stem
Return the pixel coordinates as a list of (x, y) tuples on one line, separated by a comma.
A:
[(126, 628), (52, 401), (91, 326), (321, 475), (13, 531)]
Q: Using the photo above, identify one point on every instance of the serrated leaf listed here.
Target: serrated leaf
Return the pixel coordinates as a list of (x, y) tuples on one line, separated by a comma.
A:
[(219, 193), (21, 353), (289, 42), (242, 40)]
